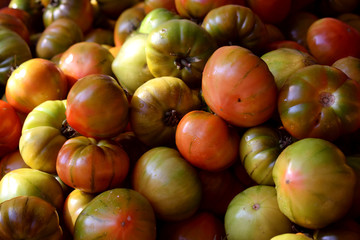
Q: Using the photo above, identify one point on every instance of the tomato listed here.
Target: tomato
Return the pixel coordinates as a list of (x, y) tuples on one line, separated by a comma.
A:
[(40, 77), (32, 182), (27, 217), (80, 11), (309, 173), (101, 111), (218, 189), (179, 48), (15, 24), (13, 52), (92, 166), (330, 39), (350, 66), (259, 148), (21, 14), (238, 86), (100, 35), (352, 19), (353, 160), (283, 62), (169, 182), (336, 7), (118, 213), (206, 141), (273, 11), (58, 37), (85, 58), (274, 33), (157, 107), (344, 229), (127, 22), (10, 129), (291, 236), (113, 8), (236, 25), (155, 4), (43, 134), (129, 65), (201, 226), (254, 214), (319, 101), (74, 203), (196, 10), (11, 161), (155, 18), (285, 44)]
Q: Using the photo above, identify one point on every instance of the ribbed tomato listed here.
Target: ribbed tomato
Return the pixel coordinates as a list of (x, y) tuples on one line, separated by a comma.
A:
[(92, 166)]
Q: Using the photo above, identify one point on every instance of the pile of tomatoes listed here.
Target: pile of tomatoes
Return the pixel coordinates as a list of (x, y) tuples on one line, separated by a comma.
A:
[(180, 119)]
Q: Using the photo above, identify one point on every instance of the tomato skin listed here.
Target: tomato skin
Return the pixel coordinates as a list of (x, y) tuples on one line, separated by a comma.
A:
[(271, 11), (118, 213), (92, 166), (11, 161), (15, 24), (330, 39), (350, 66), (10, 129), (319, 101), (239, 87), (154, 4), (206, 141), (85, 58), (309, 173)]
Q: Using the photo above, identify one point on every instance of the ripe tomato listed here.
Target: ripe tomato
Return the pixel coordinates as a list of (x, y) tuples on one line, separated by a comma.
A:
[(330, 39), (11, 161), (350, 66), (207, 141), (85, 58), (15, 24), (319, 101), (40, 77), (156, 4), (239, 87), (92, 166), (119, 213), (270, 11), (101, 111), (10, 129)]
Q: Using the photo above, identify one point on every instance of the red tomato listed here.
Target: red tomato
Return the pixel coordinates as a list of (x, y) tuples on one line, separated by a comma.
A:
[(11, 161), (33, 82), (285, 44), (330, 39), (206, 141), (85, 58), (10, 128), (92, 166), (238, 86), (153, 4), (14, 23), (97, 107), (270, 11)]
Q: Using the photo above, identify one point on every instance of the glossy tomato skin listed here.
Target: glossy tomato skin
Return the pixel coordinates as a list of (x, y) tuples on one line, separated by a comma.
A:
[(154, 4), (101, 111), (11, 161), (15, 24), (118, 213), (206, 141), (350, 66), (40, 77), (10, 129), (92, 166), (330, 39), (319, 101), (19, 213), (239, 87), (309, 173), (272, 11), (85, 58)]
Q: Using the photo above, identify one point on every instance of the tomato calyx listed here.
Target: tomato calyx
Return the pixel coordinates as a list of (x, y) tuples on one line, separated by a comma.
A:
[(54, 3), (327, 99), (285, 139), (172, 118), (184, 61), (67, 131)]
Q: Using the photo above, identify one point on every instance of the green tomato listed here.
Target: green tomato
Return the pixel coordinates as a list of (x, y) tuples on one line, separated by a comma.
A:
[(155, 18)]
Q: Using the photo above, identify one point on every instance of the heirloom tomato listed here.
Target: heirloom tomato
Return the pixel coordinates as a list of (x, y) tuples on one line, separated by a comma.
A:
[(319, 101), (43, 134), (350, 66), (353, 160), (10, 129), (179, 48), (85, 58), (238, 86), (330, 39), (155, 18), (74, 203), (97, 107), (92, 166), (119, 213), (169, 182), (29, 217), (291, 236), (154, 4), (254, 214), (11, 161), (102, 36), (13, 52), (353, 19), (40, 77), (113, 8), (236, 25), (157, 107), (21, 14), (32, 182), (58, 37), (15, 24), (344, 229), (206, 141), (80, 11), (310, 173)]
